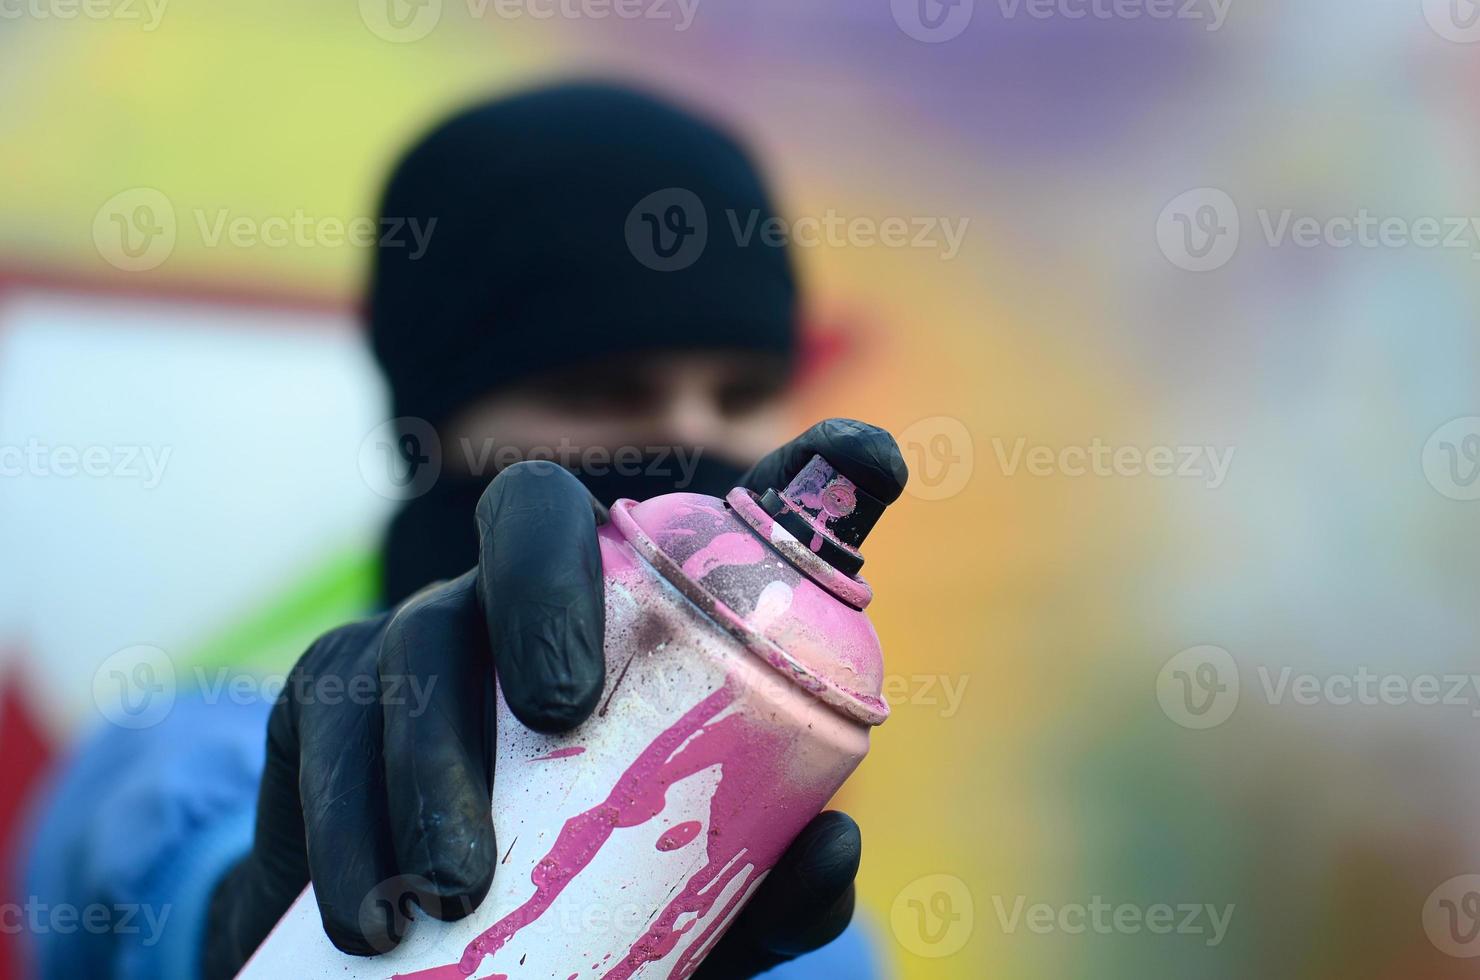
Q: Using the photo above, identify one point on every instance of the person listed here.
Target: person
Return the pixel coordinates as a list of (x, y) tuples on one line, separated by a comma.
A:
[(528, 323)]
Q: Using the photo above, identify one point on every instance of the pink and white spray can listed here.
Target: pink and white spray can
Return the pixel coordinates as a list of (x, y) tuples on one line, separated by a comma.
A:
[(742, 679)]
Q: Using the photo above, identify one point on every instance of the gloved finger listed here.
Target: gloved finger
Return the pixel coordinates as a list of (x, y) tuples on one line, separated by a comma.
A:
[(540, 587), (251, 898), (342, 786), (865, 454), (806, 902), (436, 682), (255, 893)]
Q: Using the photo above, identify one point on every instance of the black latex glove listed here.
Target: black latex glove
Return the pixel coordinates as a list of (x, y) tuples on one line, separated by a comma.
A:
[(380, 753)]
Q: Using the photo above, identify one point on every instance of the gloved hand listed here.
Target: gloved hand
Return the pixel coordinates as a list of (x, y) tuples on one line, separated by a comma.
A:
[(380, 752)]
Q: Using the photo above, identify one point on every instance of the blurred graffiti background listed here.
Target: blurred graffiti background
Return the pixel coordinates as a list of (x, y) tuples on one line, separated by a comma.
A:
[(1170, 302)]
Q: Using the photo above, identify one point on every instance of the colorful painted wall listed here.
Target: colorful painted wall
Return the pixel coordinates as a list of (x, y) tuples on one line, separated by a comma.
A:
[(1177, 331)]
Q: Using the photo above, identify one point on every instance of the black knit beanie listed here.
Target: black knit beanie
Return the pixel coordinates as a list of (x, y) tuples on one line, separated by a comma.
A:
[(572, 223)]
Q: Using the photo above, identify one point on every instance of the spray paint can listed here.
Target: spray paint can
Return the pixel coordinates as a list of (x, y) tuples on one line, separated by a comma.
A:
[(742, 680)]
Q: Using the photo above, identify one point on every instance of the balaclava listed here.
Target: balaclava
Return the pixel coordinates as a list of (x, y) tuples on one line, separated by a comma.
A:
[(572, 223)]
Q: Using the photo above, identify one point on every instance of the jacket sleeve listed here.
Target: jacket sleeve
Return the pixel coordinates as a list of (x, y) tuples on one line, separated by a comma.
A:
[(132, 837), (852, 956)]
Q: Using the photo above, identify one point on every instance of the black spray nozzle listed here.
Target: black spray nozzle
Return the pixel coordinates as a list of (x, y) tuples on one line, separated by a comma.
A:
[(827, 512)]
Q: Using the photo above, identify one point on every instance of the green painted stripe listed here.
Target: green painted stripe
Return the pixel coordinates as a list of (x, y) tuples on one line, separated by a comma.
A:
[(271, 638)]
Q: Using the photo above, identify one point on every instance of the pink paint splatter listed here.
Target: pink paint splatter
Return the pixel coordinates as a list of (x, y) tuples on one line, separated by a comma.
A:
[(678, 836), (453, 972), (637, 797), (732, 548), (746, 753), (565, 753), (839, 499)]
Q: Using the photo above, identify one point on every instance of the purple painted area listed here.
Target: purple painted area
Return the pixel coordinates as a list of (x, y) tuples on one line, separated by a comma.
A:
[(1013, 85)]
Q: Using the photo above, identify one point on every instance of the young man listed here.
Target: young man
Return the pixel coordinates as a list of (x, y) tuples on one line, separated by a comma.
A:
[(531, 321)]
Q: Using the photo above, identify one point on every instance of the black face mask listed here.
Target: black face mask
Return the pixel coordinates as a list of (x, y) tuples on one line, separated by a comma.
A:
[(435, 537)]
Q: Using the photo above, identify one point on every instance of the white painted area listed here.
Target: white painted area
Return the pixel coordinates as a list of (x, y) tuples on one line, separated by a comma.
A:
[(261, 414)]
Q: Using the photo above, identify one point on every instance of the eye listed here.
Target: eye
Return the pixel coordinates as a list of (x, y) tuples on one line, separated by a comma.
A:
[(741, 397), (599, 392)]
